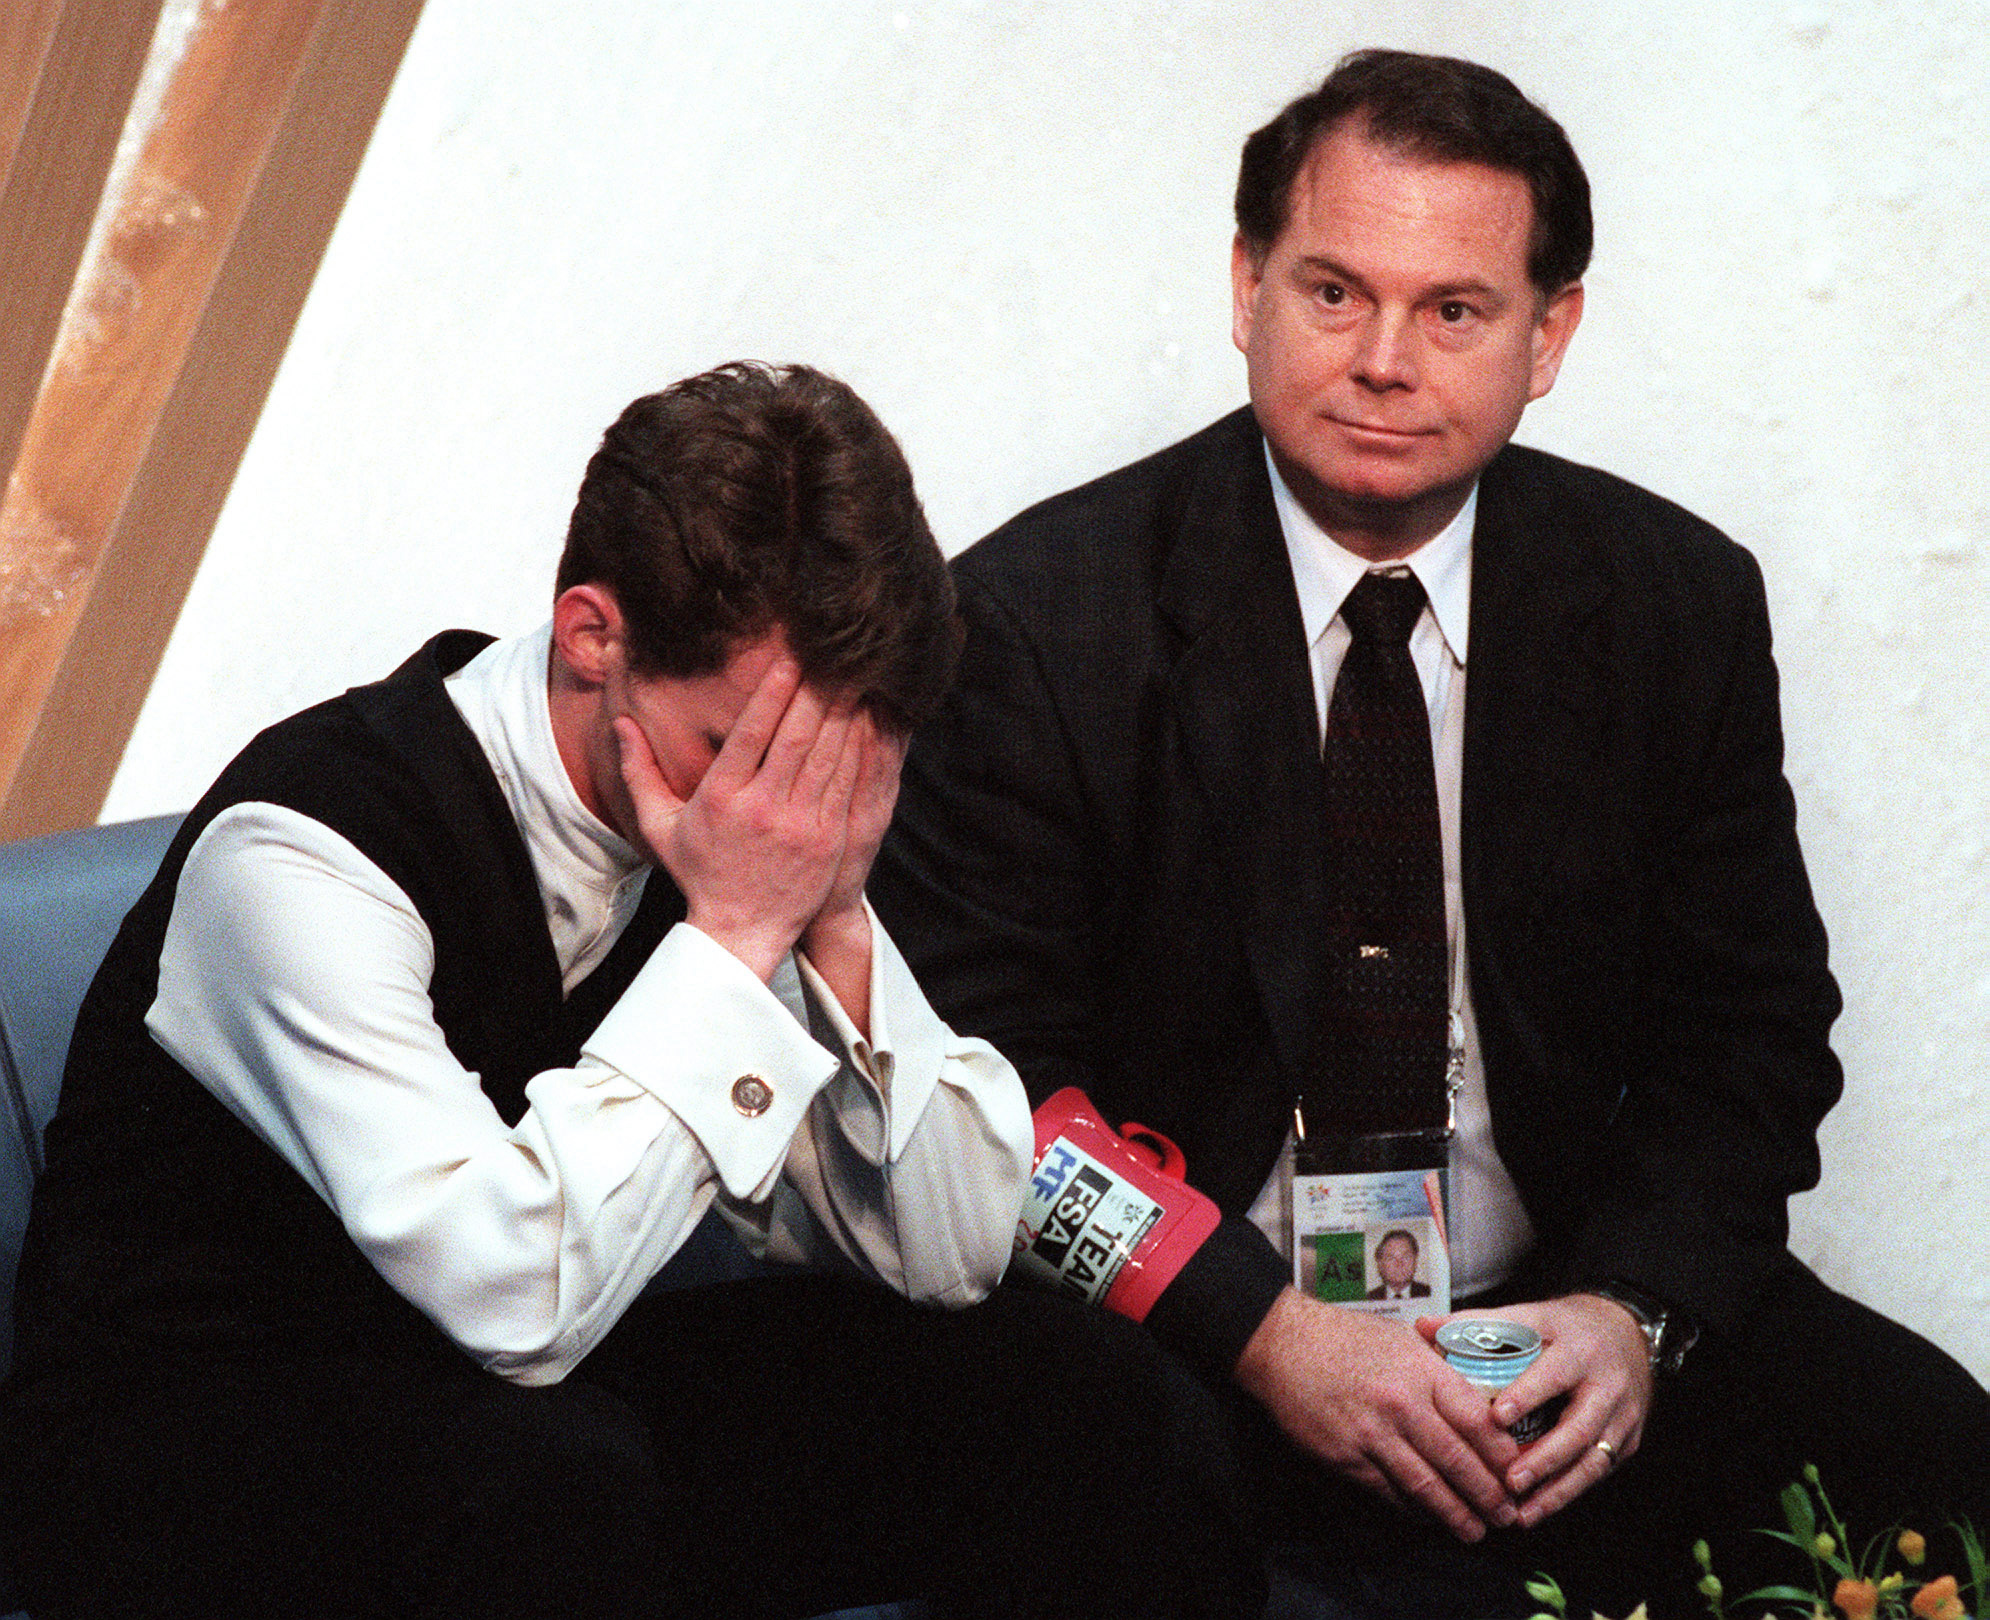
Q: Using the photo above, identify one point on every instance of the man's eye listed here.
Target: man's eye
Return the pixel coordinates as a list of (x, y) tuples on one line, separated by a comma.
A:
[(1453, 310), (1333, 293)]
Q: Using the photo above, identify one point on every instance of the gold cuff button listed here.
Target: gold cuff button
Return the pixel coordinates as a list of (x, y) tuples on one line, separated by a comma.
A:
[(752, 1096)]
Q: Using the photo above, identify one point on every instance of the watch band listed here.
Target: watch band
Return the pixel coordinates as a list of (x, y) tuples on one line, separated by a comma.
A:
[(1668, 1333)]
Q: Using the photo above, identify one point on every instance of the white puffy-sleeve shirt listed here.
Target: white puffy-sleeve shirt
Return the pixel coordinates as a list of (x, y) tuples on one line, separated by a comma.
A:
[(293, 984)]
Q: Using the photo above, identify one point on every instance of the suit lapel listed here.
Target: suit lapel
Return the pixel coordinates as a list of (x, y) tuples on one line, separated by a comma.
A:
[(1246, 728), (1537, 690), (1538, 694)]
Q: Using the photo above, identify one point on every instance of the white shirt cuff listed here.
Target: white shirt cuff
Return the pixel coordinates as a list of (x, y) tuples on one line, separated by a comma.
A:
[(902, 1059), (699, 1032)]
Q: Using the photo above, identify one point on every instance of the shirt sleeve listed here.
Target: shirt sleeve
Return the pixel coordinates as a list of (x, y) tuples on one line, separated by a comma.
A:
[(908, 1164), (294, 984), (915, 1156)]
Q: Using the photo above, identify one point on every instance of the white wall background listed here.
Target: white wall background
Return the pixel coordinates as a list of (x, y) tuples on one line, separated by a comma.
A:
[(1006, 222)]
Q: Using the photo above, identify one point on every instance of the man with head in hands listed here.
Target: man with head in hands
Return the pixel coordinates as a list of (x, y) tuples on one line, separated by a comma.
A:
[(459, 1002)]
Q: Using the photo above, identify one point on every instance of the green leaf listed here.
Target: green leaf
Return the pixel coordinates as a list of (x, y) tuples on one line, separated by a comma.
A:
[(1872, 1562), (1780, 1594), (1798, 1512), (1979, 1566)]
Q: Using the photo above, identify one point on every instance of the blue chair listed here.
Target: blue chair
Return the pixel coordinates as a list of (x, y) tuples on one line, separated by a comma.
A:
[(61, 900)]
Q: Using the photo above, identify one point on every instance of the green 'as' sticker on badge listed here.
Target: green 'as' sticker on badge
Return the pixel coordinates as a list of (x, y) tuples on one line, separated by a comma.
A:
[(1333, 1266)]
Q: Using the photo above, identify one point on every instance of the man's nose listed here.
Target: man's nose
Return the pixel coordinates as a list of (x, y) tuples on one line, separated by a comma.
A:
[(1386, 356)]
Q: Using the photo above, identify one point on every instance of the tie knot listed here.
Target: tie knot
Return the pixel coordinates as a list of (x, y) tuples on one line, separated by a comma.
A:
[(1383, 608)]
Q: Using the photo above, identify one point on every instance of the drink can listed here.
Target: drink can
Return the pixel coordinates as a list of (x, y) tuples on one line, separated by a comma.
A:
[(1491, 1354)]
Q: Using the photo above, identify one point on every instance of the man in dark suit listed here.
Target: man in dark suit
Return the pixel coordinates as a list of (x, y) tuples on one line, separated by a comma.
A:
[(1108, 860)]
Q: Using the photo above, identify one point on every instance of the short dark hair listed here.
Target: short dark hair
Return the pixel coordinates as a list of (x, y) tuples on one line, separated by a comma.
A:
[(1407, 1236), (1440, 109), (752, 496)]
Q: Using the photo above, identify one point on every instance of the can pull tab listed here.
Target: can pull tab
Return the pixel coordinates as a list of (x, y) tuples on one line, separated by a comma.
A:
[(1494, 1338)]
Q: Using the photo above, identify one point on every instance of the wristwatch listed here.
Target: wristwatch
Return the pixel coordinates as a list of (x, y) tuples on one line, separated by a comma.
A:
[(1668, 1333)]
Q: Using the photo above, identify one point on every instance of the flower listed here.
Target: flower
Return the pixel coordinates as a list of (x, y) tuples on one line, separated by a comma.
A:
[(1913, 1547), (1857, 1599), (1938, 1601)]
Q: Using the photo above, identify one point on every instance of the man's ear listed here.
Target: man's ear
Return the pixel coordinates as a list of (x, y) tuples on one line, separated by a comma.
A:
[(1559, 318), (588, 633), (1246, 276)]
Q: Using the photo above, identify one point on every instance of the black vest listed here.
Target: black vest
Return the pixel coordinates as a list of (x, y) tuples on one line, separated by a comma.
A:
[(163, 1227)]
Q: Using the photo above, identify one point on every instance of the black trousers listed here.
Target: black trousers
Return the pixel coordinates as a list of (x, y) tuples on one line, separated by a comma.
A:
[(798, 1444), (775, 1447)]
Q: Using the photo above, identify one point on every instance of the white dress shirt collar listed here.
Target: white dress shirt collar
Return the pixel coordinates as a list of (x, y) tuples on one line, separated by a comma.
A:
[(588, 874), (1325, 571)]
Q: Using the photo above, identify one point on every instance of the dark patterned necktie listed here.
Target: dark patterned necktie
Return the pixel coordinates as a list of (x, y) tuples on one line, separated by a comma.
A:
[(1384, 1036)]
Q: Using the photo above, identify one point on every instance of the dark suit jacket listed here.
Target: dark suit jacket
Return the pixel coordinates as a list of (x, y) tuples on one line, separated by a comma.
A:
[(1416, 1290), (1106, 861)]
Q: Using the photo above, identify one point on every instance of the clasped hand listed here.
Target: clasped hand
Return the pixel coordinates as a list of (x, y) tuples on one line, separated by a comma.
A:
[(1373, 1400), (773, 846)]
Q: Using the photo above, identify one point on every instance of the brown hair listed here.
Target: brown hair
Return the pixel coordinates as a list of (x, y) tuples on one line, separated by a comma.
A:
[(753, 496), (1438, 108)]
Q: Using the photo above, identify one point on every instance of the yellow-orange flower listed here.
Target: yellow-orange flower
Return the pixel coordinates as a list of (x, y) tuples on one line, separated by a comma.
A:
[(1938, 1601), (1913, 1546), (1856, 1599)]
